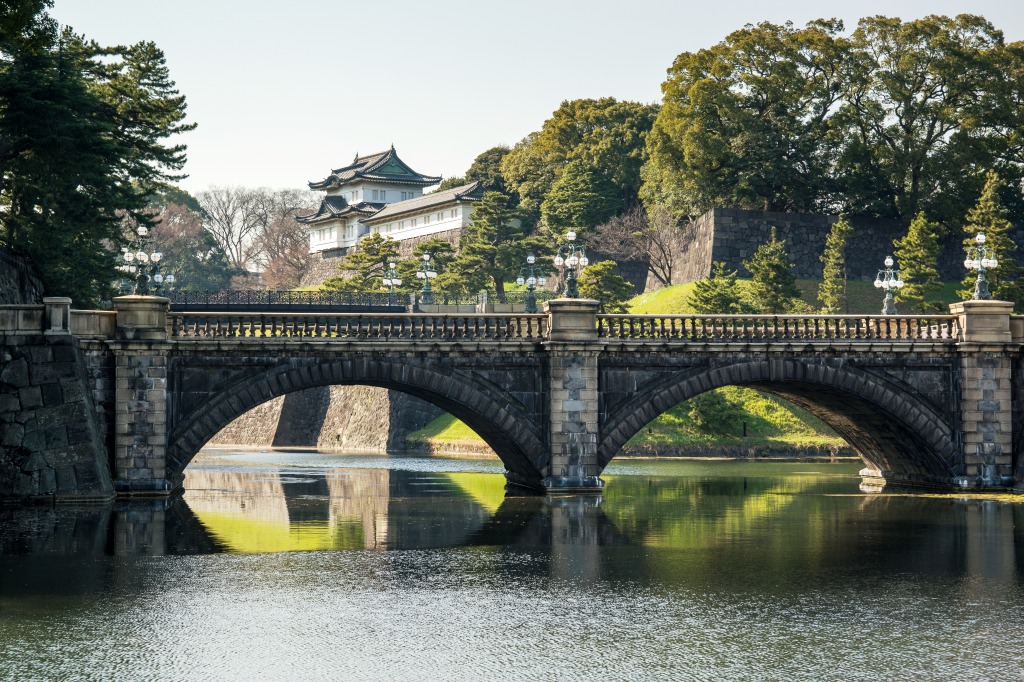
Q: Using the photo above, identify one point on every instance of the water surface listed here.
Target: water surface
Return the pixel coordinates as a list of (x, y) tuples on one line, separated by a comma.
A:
[(285, 566)]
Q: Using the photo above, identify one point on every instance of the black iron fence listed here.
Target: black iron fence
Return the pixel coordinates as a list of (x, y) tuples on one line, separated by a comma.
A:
[(293, 301)]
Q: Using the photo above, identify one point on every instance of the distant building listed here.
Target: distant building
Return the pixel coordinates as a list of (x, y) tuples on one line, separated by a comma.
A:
[(380, 194)]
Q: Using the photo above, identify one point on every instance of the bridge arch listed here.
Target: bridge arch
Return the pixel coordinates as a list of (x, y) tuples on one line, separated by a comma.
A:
[(895, 432), (509, 430)]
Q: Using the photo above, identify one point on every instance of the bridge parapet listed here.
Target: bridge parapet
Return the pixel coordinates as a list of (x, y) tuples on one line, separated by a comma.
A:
[(357, 326), (771, 328)]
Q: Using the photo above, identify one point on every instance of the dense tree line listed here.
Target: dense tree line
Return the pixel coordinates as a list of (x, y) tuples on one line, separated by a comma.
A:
[(84, 145), (895, 119)]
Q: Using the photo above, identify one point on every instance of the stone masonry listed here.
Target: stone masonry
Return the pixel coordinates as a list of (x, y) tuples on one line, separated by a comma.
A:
[(932, 405), (50, 446), (733, 235)]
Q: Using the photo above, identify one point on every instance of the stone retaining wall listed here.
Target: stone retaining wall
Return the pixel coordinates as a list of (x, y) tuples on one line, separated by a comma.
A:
[(335, 418), (50, 443), (732, 236)]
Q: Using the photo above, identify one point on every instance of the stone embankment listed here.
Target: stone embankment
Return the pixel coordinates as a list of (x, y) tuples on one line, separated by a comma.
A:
[(332, 418), (50, 443)]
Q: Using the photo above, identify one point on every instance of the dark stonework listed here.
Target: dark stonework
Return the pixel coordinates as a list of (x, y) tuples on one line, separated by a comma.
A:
[(52, 444), (732, 236)]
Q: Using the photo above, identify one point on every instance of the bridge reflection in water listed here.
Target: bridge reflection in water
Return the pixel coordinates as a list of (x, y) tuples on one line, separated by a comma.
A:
[(671, 528)]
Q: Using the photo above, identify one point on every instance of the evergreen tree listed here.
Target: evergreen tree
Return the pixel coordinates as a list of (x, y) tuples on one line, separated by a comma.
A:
[(442, 254), (367, 263), (599, 281), (82, 132), (918, 255), (773, 289), (989, 216), (494, 246), (717, 294), (581, 198), (832, 290)]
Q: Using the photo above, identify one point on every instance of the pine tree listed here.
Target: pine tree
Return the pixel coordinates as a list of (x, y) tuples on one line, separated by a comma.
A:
[(917, 254), (82, 145), (368, 263), (989, 216), (717, 294), (773, 289), (832, 290), (494, 245), (599, 281)]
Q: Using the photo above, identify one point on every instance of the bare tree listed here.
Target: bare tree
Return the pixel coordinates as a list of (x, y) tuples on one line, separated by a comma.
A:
[(235, 217), (257, 229), (618, 238), (282, 247), (653, 237)]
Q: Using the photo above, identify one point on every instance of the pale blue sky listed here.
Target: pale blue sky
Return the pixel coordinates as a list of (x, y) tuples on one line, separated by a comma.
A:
[(282, 92)]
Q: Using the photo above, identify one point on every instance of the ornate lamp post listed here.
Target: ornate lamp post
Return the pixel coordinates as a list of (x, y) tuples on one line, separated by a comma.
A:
[(531, 281), (572, 259), (982, 259), (143, 264), (426, 273), (888, 280), (391, 280)]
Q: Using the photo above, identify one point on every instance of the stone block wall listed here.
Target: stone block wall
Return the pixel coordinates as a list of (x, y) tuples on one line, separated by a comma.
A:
[(733, 235), (50, 443), (335, 418)]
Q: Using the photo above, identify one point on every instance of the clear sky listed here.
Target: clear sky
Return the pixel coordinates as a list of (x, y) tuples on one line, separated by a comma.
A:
[(284, 91)]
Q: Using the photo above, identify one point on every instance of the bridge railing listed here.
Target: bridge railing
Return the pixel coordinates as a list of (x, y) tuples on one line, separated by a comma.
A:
[(354, 326), (774, 328)]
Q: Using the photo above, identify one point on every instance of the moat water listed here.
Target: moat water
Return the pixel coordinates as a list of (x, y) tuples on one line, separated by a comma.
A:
[(306, 566)]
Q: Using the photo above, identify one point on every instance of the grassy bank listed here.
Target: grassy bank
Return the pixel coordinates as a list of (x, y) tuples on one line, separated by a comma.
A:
[(718, 419), (863, 297)]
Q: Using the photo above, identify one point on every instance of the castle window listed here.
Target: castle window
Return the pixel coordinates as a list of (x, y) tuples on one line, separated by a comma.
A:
[(426, 220), (414, 221)]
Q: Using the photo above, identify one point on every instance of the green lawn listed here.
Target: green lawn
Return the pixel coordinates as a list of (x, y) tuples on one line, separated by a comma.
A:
[(863, 297)]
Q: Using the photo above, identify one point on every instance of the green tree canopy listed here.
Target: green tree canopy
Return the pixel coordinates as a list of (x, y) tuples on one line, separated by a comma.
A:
[(744, 123), (718, 293), (917, 254), (82, 147), (773, 288), (599, 281), (832, 290), (580, 198), (892, 120), (605, 135), (493, 246), (486, 169)]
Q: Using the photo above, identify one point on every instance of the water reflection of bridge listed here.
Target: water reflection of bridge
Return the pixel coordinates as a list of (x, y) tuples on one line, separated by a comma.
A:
[(667, 529)]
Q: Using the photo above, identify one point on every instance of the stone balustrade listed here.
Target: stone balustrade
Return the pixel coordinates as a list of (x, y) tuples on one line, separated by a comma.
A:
[(355, 326), (771, 328)]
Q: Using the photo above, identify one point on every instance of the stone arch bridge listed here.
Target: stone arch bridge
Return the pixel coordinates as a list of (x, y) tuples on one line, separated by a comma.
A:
[(923, 399)]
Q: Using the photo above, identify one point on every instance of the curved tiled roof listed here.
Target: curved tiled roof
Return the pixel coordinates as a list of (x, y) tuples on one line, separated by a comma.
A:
[(336, 207), (382, 166), (471, 192)]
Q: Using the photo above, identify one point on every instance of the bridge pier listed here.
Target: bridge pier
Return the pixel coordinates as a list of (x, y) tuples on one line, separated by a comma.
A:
[(140, 350), (986, 392), (573, 408)]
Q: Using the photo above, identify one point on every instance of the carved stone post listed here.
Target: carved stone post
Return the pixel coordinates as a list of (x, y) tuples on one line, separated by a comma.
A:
[(57, 316), (140, 411), (573, 353), (986, 392)]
